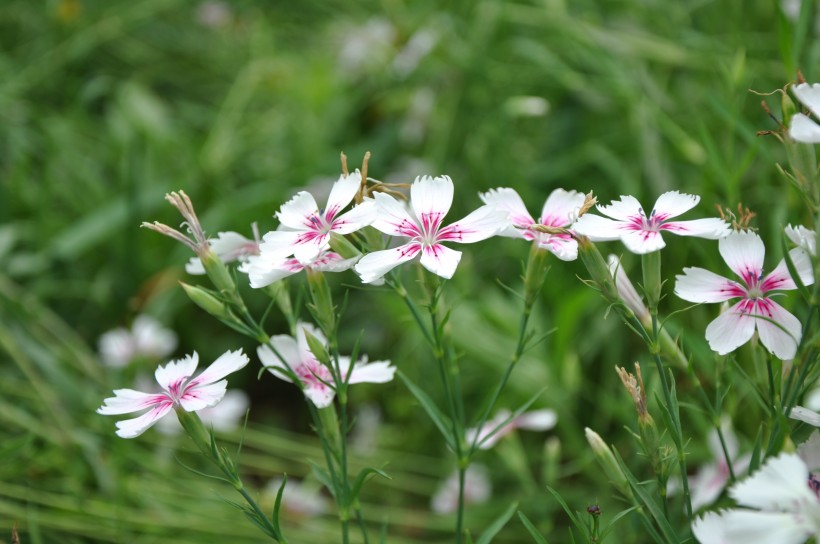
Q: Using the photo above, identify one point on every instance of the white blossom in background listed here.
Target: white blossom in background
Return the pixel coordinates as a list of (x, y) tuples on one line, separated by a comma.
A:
[(305, 228), (300, 499), (263, 270), (228, 246), (430, 200), (626, 221), (803, 128), (225, 417), (803, 238), (559, 211), (477, 489), (146, 338), (366, 47), (179, 390), (744, 252), (315, 378), (503, 424), (708, 482), (420, 44), (780, 504)]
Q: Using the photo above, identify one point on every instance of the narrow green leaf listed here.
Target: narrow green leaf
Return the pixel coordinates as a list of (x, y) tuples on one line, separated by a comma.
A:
[(441, 421), (497, 525), (277, 505), (570, 513), (539, 539), (362, 476)]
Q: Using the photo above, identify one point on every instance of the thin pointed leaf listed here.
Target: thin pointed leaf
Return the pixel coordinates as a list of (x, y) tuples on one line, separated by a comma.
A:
[(570, 513), (441, 421), (539, 539), (496, 526), (362, 476), (277, 505)]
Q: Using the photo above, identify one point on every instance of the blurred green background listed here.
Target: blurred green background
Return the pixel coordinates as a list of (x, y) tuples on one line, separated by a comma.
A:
[(106, 106)]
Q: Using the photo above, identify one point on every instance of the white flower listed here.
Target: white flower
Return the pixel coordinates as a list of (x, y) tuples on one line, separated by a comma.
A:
[(267, 268), (430, 199), (641, 233), (502, 424), (778, 329), (626, 290), (179, 389), (477, 489), (558, 211), (708, 482), (803, 237), (224, 417), (147, 338), (315, 378), (305, 229), (786, 509), (802, 128), (228, 246)]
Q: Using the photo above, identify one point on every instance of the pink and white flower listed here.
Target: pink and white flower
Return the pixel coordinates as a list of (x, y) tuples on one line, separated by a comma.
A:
[(560, 210), (782, 507), (803, 128), (626, 221), (267, 268), (180, 390), (315, 378), (147, 338), (224, 417), (502, 424), (778, 329), (228, 246), (430, 200), (305, 229)]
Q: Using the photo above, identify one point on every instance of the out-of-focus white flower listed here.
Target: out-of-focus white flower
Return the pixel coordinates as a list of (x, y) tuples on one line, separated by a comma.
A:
[(300, 499), (527, 106), (263, 270), (147, 338), (803, 237), (626, 221), (417, 47), (783, 507), (179, 390), (626, 290), (214, 14), (366, 46), (365, 435), (477, 489), (502, 424), (778, 329), (228, 246), (803, 128), (708, 482)]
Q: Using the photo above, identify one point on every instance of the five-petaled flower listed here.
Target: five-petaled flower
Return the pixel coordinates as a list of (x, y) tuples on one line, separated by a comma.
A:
[(559, 211), (180, 390), (803, 128), (430, 199), (267, 268), (305, 229), (641, 233), (788, 507), (287, 356), (744, 252)]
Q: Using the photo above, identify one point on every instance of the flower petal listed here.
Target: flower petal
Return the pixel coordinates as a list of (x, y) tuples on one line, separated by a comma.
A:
[(357, 218), (126, 401), (375, 372), (700, 285), (597, 228), (431, 199), (373, 266), (779, 278), (561, 207), (132, 428), (393, 218), (440, 260), (744, 253), (176, 371), (710, 228), (562, 246), (481, 224), (509, 201), (642, 241), (227, 363), (804, 130), (809, 95), (780, 484), (803, 237), (781, 335), (342, 193), (537, 420), (623, 210), (673, 204), (298, 211), (626, 290), (805, 415), (319, 394), (750, 527), (263, 270), (279, 244), (730, 330), (287, 347), (203, 396)]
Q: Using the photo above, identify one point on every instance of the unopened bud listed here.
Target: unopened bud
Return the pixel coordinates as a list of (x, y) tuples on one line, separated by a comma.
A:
[(598, 269), (210, 302), (317, 347), (606, 459)]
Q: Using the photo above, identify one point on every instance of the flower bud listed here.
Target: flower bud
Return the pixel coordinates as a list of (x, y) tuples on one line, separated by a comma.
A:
[(211, 303), (606, 459)]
